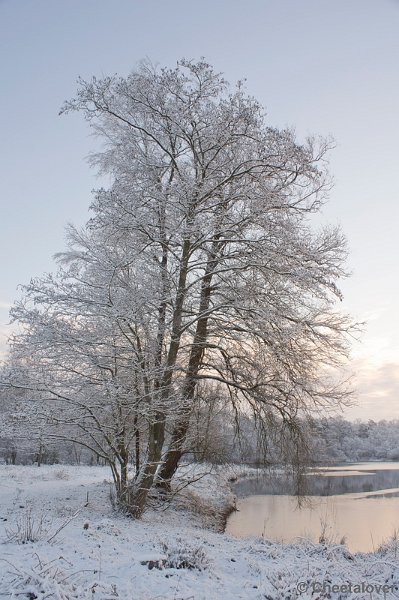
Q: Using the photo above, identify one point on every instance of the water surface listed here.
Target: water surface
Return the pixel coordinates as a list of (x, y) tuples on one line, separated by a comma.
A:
[(358, 504)]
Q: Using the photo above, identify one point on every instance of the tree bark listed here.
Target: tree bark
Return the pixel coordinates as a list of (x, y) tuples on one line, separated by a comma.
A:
[(182, 425)]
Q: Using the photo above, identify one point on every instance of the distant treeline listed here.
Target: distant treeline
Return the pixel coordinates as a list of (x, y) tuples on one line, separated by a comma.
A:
[(330, 440), (336, 440)]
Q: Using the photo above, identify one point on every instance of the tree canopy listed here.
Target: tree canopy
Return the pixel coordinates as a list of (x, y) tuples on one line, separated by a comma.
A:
[(199, 267)]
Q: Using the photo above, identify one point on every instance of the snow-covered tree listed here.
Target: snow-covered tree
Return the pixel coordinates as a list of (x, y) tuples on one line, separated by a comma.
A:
[(199, 263)]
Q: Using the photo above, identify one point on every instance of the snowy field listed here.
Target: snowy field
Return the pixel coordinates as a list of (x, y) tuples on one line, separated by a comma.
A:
[(83, 549)]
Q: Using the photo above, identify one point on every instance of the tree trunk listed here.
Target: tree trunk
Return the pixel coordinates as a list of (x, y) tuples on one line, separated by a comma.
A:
[(145, 481), (137, 445), (175, 451), (138, 492), (181, 427)]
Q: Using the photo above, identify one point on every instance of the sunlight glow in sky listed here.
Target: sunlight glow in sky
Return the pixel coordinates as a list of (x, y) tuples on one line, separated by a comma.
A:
[(324, 67)]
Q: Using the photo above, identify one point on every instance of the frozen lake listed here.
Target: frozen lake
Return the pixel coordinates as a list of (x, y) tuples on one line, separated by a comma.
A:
[(358, 503)]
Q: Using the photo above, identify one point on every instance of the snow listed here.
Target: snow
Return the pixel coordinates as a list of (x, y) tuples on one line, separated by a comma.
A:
[(87, 550)]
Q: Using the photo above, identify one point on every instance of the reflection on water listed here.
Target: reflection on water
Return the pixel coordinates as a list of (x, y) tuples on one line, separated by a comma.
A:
[(326, 482), (359, 503)]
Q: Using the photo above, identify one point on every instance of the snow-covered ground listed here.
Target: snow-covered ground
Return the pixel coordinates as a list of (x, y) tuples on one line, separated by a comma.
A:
[(86, 550)]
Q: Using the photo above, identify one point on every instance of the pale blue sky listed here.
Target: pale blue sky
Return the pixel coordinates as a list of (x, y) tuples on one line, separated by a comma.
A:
[(325, 67)]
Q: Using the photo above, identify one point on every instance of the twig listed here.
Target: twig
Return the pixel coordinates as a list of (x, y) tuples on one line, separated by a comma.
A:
[(75, 514)]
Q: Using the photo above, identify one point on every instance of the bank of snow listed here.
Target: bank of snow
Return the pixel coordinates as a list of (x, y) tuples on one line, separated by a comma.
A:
[(174, 552)]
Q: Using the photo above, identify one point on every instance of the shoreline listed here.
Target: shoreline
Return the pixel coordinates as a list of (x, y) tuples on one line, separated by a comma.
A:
[(170, 554)]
